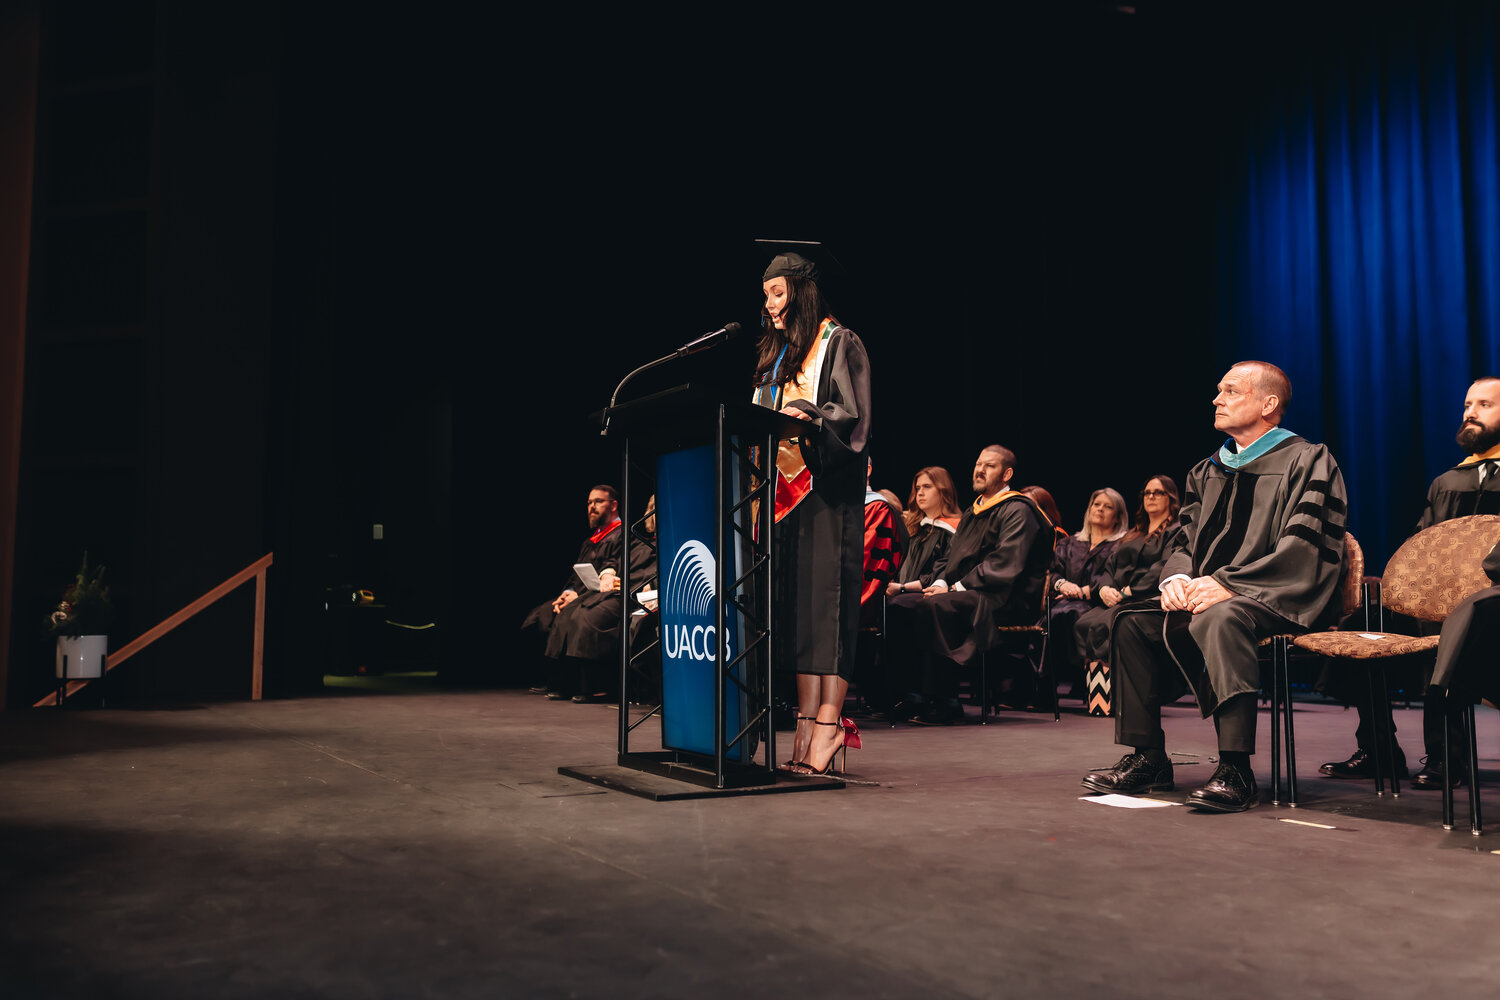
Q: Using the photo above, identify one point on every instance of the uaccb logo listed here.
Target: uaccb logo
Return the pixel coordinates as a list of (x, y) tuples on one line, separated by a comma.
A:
[(689, 594)]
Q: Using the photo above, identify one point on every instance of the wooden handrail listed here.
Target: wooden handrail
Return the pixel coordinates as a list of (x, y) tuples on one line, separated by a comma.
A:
[(256, 570)]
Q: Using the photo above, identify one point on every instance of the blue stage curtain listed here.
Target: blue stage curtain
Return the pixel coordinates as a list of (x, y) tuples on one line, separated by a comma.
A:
[(1360, 249)]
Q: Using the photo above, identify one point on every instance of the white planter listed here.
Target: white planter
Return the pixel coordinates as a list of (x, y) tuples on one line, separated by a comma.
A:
[(85, 655)]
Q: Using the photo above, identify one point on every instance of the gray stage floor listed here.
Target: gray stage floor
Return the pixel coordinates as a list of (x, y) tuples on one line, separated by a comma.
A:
[(424, 845)]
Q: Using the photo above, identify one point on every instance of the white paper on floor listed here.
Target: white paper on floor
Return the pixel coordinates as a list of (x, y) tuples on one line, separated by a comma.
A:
[(1127, 801)]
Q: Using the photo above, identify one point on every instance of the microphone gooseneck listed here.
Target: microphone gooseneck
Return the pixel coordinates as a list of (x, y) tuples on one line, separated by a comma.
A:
[(724, 334)]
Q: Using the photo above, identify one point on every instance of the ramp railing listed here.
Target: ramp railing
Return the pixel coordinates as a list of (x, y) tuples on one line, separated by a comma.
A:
[(256, 570)]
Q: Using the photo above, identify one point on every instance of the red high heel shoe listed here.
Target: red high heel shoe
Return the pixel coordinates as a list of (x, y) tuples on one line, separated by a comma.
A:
[(851, 741)]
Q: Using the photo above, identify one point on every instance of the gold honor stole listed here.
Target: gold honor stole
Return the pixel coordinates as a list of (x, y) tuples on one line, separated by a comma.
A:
[(981, 504), (794, 479), (1483, 456)]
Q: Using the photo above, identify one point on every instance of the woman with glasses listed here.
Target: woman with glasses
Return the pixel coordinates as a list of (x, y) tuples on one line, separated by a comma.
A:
[(1133, 571)]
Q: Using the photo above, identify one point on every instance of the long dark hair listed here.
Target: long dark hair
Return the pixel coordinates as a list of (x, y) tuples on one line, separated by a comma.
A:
[(1046, 505), (1174, 504), (805, 311), (947, 496)]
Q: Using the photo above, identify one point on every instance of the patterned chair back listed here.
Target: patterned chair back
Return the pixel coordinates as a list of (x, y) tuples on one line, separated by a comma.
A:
[(1436, 569), (1352, 586)]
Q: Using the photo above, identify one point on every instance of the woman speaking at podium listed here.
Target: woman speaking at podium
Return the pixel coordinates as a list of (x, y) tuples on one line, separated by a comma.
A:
[(811, 368)]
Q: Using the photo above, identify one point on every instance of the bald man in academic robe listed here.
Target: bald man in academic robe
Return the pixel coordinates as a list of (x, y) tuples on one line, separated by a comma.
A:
[(1259, 554)]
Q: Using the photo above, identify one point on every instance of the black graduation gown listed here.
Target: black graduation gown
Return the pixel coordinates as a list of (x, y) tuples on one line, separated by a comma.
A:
[(995, 568), (1135, 563), (1470, 636), (1075, 561), (928, 544), (1272, 534), (820, 545), (589, 628), (1457, 493), (603, 554)]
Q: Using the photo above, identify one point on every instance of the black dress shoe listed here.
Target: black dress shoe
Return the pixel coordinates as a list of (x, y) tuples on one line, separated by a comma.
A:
[(1230, 790), (939, 715), (556, 696), (1361, 764), (1431, 775), (1134, 774), (597, 698), (539, 689)]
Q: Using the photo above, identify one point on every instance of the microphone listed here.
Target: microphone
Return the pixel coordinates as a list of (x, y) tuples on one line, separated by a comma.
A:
[(724, 334), (720, 336)]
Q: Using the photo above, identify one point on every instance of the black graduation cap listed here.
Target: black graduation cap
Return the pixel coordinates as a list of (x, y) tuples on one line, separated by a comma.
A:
[(801, 259)]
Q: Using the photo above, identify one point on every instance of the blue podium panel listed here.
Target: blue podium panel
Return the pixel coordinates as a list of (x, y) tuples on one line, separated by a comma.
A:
[(685, 520)]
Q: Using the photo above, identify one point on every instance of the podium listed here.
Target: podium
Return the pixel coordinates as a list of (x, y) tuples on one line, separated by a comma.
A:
[(712, 466)]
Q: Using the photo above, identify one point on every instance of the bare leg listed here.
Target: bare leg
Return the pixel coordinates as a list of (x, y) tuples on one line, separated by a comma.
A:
[(807, 711), (828, 737)]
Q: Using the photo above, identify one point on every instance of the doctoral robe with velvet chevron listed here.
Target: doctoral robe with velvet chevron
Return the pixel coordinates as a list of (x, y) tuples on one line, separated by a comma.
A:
[(1271, 531)]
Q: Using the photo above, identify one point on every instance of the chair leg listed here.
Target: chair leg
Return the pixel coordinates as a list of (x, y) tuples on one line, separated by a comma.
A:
[(1447, 778), (1050, 681), (1475, 826), (1390, 734), (1275, 721), (1381, 734), (984, 688), (1285, 685)]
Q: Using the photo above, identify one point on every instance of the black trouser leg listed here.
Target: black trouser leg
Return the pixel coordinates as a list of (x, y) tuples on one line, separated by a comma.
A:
[(1235, 723), (905, 646), (939, 679), (1438, 710), (562, 675), (1343, 683), (1364, 733), (1143, 677)]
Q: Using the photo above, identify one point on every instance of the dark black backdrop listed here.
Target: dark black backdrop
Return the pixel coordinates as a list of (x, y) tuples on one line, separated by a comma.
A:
[(479, 221), (1025, 210)]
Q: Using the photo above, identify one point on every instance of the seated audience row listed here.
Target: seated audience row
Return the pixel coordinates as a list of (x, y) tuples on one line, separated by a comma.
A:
[(991, 573), (1175, 599)]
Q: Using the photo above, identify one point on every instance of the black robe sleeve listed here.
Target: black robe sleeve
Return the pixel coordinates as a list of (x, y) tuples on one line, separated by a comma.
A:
[(573, 583), (1067, 562), (928, 546), (1119, 563), (1145, 581), (841, 424), (605, 555)]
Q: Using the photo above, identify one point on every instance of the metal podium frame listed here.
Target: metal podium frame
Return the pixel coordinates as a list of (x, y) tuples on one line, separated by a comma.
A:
[(664, 422)]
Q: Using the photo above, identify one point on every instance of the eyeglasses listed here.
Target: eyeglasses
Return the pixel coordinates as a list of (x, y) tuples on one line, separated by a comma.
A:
[(1154, 493)]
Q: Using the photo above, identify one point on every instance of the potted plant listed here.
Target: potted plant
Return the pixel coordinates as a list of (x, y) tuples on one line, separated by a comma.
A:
[(81, 624)]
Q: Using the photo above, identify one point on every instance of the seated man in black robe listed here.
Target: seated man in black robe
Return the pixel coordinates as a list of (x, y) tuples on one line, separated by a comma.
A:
[(992, 574), (1259, 554), (1470, 487), (558, 619)]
